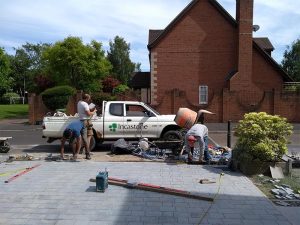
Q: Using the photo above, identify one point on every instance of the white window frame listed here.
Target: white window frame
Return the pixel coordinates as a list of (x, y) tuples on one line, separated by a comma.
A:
[(203, 94)]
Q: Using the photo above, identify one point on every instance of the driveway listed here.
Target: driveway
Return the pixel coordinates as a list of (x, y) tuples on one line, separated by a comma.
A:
[(60, 193)]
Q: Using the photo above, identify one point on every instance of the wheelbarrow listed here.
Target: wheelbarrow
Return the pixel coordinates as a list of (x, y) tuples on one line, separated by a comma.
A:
[(4, 145)]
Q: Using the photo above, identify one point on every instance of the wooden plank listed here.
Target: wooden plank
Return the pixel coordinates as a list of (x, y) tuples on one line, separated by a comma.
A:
[(155, 188), (21, 173)]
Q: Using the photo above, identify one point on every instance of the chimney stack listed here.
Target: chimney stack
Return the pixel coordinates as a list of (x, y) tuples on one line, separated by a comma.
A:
[(244, 17)]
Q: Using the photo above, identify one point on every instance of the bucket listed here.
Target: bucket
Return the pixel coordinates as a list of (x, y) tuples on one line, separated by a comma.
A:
[(185, 117)]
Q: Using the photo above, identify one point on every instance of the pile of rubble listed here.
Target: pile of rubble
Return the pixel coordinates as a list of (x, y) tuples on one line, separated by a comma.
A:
[(284, 192), (220, 155), (24, 157)]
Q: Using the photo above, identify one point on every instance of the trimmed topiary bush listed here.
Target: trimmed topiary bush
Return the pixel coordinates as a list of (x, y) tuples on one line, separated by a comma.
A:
[(57, 97), (262, 137)]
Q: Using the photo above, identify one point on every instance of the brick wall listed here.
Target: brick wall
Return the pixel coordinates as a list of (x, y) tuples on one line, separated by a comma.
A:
[(265, 76), (203, 48), (287, 105), (199, 50), (37, 109)]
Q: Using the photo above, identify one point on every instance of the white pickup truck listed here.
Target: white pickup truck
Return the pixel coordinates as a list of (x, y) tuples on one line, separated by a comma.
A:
[(119, 119)]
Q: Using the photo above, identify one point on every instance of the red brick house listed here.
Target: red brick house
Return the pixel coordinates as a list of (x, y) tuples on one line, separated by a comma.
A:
[(140, 82), (206, 59)]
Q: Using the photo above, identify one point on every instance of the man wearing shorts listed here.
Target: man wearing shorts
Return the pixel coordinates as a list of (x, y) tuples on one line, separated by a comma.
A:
[(85, 114), (72, 132)]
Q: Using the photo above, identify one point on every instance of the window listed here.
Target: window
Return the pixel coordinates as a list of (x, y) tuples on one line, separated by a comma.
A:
[(116, 109), (203, 94), (135, 110)]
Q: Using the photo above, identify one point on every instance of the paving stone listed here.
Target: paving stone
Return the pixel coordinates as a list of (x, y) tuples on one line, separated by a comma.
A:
[(233, 221), (40, 222), (15, 221), (232, 216), (60, 193), (65, 222), (255, 222)]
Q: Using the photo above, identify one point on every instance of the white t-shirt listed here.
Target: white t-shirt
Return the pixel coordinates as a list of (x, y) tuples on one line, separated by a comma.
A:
[(82, 107)]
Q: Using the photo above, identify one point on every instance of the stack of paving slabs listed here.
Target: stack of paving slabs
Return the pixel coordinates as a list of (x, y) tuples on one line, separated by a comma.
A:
[(284, 192)]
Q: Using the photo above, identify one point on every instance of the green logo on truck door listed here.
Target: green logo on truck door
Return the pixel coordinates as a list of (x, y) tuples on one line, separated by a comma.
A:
[(113, 127)]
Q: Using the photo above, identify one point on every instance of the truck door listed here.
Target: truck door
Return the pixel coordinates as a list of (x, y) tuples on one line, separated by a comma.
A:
[(139, 122), (114, 121)]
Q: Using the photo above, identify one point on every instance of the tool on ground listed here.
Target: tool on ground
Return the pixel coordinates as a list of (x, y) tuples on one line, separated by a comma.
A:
[(214, 198), (206, 181), (155, 188), (21, 173), (102, 181), (11, 172)]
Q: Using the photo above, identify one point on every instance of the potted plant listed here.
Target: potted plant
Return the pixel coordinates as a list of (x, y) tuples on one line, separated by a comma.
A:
[(262, 141)]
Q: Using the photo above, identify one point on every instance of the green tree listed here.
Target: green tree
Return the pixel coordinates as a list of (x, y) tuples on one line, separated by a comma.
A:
[(20, 65), (291, 60), (137, 67), (26, 65), (118, 55), (5, 80), (73, 63)]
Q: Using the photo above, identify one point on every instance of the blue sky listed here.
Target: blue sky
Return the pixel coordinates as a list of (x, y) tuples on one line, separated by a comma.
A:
[(48, 21)]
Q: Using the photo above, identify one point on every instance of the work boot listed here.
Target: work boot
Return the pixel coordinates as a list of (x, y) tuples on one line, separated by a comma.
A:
[(74, 158), (87, 156), (189, 159)]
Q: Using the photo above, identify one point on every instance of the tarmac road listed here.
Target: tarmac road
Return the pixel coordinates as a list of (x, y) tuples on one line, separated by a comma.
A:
[(28, 138)]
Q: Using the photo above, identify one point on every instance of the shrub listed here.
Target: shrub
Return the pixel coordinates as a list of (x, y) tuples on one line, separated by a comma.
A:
[(57, 97), (262, 137), (6, 98), (99, 97), (122, 88), (109, 83)]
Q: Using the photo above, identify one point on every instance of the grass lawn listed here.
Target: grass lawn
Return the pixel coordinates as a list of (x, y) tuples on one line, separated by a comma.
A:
[(13, 111), (265, 186)]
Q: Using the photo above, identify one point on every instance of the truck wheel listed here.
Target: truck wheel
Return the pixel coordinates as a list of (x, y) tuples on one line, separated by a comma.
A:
[(172, 135), (4, 147), (92, 143)]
